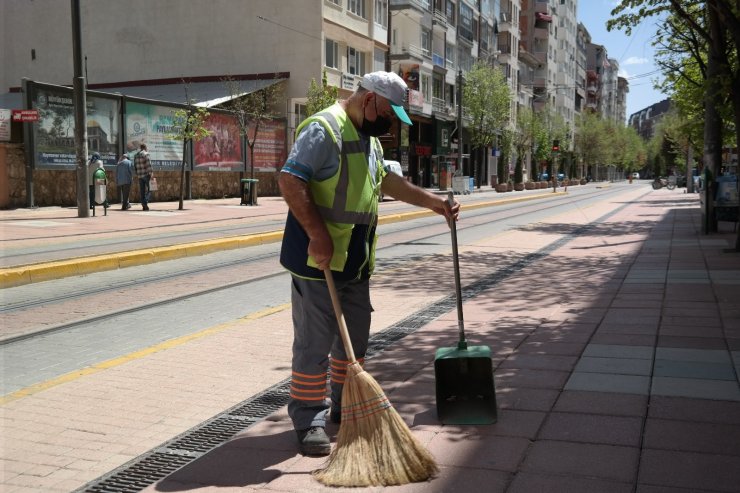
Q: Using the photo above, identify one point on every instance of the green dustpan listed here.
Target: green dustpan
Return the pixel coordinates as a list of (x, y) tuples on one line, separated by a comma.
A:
[(466, 394)]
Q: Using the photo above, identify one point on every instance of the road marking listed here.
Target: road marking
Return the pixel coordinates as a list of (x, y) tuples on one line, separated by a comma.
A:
[(112, 363)]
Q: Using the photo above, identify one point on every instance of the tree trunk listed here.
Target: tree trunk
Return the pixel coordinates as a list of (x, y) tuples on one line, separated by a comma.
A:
[(182, 176), (712, 121)]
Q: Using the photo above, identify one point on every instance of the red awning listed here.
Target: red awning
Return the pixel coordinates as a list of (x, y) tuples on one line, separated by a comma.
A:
[(539, 16)]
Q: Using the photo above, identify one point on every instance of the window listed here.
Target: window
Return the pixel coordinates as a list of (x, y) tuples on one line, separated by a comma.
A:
[(450, 12), (381, 13), (332, 53), (425, 86), (357, 7), (426, 41), (336, 2), (378, 60), (355, 61), (466, 22)]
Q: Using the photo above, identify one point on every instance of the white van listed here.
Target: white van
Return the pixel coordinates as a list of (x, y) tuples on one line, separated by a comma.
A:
[(392, 167)]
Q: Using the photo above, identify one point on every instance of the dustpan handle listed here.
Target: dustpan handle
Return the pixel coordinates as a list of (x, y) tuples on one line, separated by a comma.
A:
[(461, 344), (340, 316)]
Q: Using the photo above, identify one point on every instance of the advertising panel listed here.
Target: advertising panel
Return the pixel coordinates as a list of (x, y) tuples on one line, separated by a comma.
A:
[(4, 125), (151, 125), (54, 133), (222, 149), (269, 150)]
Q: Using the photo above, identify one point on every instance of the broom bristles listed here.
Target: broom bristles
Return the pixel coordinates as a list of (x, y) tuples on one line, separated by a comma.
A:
[(374, 446)]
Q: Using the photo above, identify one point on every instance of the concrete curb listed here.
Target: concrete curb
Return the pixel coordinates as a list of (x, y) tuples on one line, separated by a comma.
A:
[(47, 271)]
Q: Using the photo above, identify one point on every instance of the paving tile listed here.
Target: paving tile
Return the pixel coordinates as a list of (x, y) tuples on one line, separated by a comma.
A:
[(540, 362), (699, 410), (693, 369), (610, 462), (551, 348), (616, 351), (610, 338), (528, 482), (683, 354), (711, 343), (689, 470), (694, 387), (619, 328), (485, 452), (575, 401), (526, 399), (710, 438), (592, 428), (602, 382), (644, 488), (622, 366), (526, 377)]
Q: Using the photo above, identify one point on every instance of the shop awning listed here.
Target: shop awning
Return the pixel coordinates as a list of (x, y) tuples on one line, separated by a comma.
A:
[(207, 94)]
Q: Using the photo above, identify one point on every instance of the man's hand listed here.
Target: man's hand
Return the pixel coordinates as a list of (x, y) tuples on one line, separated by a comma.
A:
[(321, 248), (401, 189), (298, 197)]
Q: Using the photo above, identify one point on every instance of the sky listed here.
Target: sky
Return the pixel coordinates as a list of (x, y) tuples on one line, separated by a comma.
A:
[(634, 53)]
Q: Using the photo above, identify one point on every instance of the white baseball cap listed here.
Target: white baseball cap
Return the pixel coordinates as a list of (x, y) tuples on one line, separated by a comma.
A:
[(391, 87)]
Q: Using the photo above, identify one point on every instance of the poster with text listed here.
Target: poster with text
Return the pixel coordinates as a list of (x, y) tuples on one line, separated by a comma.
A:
[(54, 133), (269, 149), (152, 125), (222, 149)]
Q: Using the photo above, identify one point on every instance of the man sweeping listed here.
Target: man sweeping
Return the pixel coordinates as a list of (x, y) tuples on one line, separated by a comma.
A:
[(332, 181)]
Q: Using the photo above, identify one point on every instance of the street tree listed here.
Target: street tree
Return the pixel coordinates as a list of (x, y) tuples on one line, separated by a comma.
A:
[(188, 126), (252, 110), (487, 103), (320, 96), (717, 24)]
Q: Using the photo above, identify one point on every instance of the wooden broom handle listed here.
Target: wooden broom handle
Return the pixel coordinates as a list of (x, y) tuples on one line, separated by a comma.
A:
[(340, 317)]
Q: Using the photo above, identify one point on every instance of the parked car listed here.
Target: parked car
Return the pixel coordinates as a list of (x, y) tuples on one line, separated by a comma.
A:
[(392, 167), (635, 175), (546, 176)]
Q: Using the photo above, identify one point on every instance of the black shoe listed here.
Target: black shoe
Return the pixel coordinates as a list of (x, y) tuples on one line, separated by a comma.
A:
[(314, 441), (335, 415), (146, 208)]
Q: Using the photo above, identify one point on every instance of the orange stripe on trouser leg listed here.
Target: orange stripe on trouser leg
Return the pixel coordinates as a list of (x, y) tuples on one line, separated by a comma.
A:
[(305, 387)]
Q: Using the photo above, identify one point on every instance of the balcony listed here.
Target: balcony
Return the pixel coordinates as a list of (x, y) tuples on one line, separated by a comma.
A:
[(438, 60), (439, 105), (412, 51), (440, 18), (422, 6)]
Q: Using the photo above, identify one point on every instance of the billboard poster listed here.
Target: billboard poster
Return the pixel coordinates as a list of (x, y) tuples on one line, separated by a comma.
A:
[(150, 124), (269, 149), (54, 133), (5, 125), (222, 149)]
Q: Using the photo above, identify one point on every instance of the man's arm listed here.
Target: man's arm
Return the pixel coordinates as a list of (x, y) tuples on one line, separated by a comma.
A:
[(298, 197), (401, 189)]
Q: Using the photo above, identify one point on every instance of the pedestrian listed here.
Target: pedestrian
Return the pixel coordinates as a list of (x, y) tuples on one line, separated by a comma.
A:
[(92, 166), (331, 182), (143, 168), (124, 177)]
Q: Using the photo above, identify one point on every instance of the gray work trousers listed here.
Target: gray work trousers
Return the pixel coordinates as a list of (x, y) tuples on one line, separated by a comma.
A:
[(316, 337)]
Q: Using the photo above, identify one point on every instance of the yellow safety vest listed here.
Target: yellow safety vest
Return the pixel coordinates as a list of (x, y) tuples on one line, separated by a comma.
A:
[(347, 201)]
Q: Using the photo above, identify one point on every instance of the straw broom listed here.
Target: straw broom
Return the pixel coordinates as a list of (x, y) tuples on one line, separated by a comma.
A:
[(374, 446)]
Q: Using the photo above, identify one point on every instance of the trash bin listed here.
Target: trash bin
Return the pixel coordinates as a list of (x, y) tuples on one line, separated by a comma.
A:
[(100, 192), (249, 191)]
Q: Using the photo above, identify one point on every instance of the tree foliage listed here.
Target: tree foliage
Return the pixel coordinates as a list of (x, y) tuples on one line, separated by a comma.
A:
[(188, 126), (487, 102), (320, 97), (252, 110)]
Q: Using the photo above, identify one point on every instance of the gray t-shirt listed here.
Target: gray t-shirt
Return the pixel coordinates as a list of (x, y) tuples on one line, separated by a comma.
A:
[(315, 156)]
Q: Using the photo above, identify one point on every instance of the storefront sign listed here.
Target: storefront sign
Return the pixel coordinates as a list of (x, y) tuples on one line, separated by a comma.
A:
[(25, 115)]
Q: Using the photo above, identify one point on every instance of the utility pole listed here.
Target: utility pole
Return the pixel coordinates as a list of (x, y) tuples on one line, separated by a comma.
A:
[(80, 106), (460, 121)]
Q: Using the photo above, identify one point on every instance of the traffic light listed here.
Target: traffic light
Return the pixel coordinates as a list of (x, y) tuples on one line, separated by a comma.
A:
[(555, 145)]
